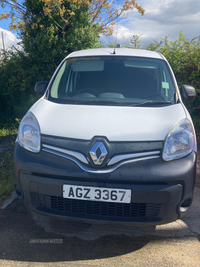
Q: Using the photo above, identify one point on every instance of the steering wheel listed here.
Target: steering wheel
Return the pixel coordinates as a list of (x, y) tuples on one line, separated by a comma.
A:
[(88, 90)]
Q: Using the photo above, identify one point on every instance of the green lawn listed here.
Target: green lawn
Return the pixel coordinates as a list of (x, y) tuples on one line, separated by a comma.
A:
[(6, 132), (7, 140)]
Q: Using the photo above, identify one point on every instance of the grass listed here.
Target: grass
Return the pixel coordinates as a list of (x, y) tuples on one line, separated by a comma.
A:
[(6, 177), (7, 140), (4, 131)]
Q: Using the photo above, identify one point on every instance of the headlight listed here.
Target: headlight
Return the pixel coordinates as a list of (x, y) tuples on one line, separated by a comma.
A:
[(179, 141), (29, 133)]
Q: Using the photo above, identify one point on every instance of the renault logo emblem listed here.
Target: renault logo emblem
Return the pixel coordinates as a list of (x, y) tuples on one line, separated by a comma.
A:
[(98, 153)]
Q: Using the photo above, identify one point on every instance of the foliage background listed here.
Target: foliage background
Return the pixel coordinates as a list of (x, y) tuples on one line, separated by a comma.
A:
[(184, 58)]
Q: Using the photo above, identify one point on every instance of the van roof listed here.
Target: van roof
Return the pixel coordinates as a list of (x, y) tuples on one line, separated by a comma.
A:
[(118, 52)]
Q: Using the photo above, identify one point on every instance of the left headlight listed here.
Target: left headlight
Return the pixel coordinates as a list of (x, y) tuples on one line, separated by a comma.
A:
[(179, 141), (29, 133)]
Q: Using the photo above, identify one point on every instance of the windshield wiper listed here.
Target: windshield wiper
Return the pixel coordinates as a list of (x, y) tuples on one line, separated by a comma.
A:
[(99, 102), (116, 103), (151, 103)]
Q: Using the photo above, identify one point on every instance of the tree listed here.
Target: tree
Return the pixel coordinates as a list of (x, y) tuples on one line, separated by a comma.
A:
[(46, 42), (50, 30), (44, 46), (135, 41), (184, 57), (102, 13)]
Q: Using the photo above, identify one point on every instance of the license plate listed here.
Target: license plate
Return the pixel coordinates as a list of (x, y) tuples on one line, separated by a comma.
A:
[(97, 193)]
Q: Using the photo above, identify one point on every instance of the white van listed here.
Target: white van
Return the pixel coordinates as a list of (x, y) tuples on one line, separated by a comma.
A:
[(110, 139)]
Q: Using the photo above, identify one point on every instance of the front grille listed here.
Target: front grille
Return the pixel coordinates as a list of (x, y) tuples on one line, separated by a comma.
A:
[(95, 209), (114, 147)]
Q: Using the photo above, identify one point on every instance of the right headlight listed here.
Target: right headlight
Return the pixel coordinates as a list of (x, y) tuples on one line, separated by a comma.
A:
[(179, 141)]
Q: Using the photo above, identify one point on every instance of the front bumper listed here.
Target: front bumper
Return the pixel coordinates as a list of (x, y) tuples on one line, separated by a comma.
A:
[(160, 190)]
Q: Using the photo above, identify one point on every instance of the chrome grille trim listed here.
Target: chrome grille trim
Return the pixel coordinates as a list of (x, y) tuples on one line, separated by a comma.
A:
[(118, 158), (74, 154), (92, 170)]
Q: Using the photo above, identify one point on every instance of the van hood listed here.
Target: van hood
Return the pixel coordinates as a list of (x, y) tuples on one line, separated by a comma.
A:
[(114, 122)]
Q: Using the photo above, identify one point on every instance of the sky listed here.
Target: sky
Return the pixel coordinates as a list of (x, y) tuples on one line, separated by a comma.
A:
[(161, 18)]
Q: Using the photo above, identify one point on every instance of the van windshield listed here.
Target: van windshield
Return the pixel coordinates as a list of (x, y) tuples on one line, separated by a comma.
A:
[(113, 80)]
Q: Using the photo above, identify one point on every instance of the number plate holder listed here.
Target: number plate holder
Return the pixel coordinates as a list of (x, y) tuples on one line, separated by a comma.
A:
[(97, 193)]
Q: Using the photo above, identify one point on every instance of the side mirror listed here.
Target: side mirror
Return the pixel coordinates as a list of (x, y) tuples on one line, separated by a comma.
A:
[(40, 87), (187, 92)]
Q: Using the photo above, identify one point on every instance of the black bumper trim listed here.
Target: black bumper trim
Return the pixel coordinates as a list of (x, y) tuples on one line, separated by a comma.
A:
[(168, 196), (98, 210)]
